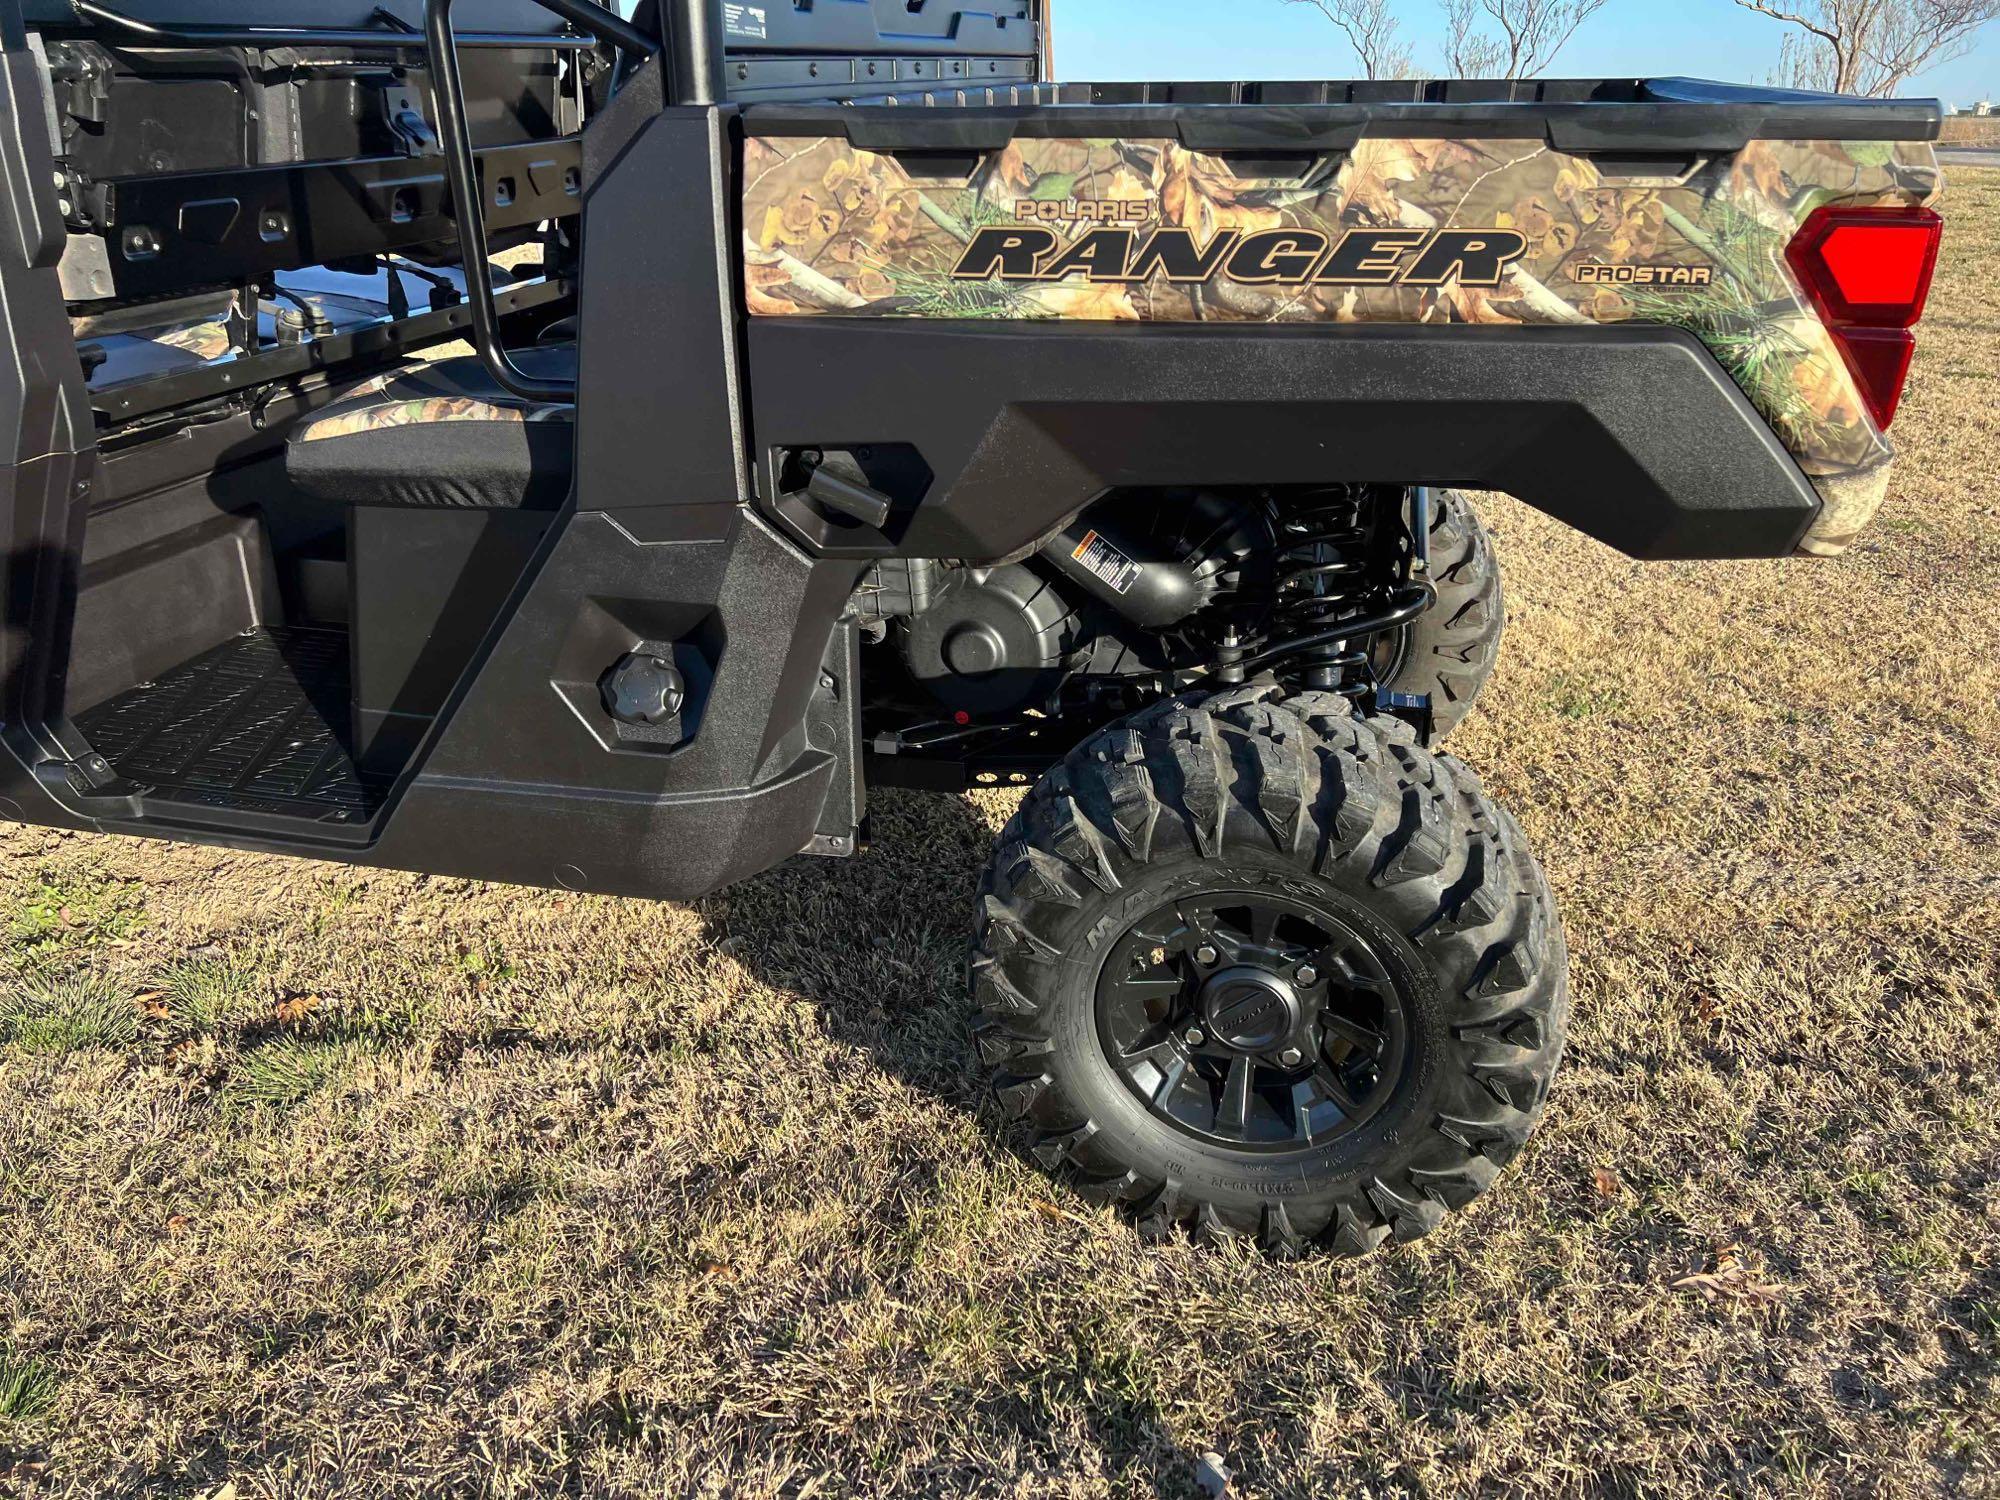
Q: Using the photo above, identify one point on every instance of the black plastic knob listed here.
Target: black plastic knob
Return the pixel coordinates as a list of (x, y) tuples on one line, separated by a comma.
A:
[(644, 690)]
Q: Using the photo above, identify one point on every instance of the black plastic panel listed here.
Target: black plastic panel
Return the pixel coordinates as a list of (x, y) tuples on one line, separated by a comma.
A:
[(931, 51), (879, 28), (426, 586), (1632, 435), (659, 353), (551, 805), (166, 579)]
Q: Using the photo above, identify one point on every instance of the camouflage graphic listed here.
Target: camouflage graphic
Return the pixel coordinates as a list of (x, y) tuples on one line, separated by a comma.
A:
[(419, 410), (833, 230), (205, 341)]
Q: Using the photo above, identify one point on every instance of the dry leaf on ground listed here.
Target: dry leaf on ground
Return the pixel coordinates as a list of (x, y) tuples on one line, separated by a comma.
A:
[(1737, 1277)]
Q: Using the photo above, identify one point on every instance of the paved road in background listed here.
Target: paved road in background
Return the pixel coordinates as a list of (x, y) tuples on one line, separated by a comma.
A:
[(1969, 156)]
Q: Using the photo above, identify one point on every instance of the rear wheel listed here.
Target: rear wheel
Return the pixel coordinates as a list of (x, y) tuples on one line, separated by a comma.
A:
[(1266, 969), (1449, 652)]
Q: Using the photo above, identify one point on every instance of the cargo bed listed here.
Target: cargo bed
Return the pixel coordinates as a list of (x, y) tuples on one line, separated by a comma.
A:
[(1558, 204)]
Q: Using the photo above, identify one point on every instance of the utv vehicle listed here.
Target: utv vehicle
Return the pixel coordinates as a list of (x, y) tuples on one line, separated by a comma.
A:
[(853, 405)]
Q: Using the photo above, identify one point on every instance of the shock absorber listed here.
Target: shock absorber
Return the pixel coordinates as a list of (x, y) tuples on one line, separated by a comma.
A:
[(1339, 580), (1323, 567)]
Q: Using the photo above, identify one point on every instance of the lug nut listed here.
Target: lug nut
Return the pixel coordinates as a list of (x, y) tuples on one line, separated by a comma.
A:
[(1205, 954), (1308, 975), (1291, 1057), (1195, 1037)]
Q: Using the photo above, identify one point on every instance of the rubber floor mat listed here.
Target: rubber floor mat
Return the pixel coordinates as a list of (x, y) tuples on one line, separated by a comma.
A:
[(250, 725)]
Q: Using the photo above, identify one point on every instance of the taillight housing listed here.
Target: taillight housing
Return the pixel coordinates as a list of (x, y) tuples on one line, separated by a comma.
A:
[(1867, 272)]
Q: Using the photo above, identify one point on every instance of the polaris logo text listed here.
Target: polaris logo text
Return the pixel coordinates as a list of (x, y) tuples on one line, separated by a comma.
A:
[(1083, 211), (1271, 257)]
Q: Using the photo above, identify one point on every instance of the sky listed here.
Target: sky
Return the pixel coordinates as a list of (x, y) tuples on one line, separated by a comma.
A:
[(1196, 39)]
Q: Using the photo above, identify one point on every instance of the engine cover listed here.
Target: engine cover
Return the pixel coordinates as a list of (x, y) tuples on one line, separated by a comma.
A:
[(993, 640)]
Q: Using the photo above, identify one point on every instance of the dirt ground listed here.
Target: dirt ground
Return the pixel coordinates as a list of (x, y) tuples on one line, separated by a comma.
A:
[(322, 1182)]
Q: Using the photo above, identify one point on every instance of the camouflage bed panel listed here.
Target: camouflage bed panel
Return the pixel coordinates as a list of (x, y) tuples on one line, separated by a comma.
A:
[(1404, 231)]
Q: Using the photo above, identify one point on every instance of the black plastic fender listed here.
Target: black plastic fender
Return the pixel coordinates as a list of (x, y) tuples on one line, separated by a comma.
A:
[(1633, 435)]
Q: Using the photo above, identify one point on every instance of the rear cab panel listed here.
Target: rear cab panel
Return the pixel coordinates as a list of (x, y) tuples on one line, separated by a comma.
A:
[(1569, 205)]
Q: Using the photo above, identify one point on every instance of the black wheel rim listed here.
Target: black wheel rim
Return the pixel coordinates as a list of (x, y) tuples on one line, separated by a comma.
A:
[(1254, 1022)]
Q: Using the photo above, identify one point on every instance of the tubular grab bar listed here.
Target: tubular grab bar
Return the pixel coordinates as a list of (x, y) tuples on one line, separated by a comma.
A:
[(467, 194)]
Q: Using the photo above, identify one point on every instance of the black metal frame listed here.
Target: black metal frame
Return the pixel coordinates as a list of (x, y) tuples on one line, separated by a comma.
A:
[(392, 336), (198, 228), (467, 194), (306, 36)]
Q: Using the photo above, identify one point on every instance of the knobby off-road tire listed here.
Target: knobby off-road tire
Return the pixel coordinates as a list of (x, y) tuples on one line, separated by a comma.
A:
[(1450, 651), (1249, 802)]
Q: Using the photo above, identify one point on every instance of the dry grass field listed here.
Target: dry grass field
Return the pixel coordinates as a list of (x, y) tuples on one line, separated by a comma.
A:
[(1966, 130), (323, 1182)]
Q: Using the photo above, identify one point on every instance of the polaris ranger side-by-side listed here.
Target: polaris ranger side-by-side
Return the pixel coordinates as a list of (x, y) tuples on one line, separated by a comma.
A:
[(853, 404)]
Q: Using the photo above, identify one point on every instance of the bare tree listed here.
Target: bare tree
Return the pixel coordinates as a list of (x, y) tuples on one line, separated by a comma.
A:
[(1532, 33), (1871, 47), (1468, 51), (1371, 28)]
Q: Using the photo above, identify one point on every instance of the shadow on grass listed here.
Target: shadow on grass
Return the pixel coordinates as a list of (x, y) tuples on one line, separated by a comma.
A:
[(878, 943)]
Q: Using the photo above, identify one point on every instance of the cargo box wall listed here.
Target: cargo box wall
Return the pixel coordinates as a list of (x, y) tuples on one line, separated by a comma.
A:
[(1416, 231)]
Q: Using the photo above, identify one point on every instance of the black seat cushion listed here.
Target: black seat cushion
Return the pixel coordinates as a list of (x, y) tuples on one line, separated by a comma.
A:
[(441, 435)]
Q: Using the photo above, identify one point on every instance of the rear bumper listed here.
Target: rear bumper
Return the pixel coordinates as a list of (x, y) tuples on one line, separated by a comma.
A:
[(1633, 435)]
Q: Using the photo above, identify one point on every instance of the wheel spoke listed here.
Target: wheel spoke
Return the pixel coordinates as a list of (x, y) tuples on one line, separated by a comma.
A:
[(1137, 1008), (1332, 1086), (1143, 990), (1233, 1117), (1197, 920), (1264, 926), (1160, 1052), (1170, 1079), (1348, 1029), (1304, 1096), (1199, 931), (1339, 958)]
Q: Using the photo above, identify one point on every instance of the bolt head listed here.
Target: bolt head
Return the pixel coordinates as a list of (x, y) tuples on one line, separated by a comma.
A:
[(1308, 975), (1291, 1057), (1206, 954), (1196, 1036)]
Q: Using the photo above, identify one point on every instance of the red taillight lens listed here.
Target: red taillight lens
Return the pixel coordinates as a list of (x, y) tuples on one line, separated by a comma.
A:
[(1880, 361), (1867, 272), (1869, 267)]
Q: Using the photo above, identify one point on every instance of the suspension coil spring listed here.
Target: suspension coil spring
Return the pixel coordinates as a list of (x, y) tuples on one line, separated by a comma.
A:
[(1323, 571)]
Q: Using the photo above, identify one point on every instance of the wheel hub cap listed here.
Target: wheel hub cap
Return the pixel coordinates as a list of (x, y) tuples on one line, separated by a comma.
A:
[(1250, 1009)]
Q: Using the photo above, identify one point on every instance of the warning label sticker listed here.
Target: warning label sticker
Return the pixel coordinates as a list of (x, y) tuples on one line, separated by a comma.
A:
[(1117, 571), (745, 21)]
